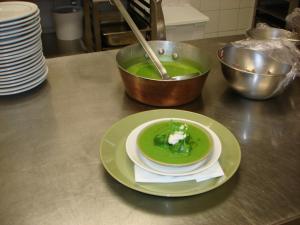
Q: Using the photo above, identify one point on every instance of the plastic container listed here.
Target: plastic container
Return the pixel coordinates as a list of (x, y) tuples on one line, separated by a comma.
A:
[(184, 23), (68, 22)]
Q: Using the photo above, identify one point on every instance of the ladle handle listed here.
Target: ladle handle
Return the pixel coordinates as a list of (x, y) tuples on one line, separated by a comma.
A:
[(161, 69)]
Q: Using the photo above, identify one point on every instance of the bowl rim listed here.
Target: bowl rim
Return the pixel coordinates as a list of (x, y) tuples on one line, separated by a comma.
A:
[(246, 71), (156, 80), (295, 36)]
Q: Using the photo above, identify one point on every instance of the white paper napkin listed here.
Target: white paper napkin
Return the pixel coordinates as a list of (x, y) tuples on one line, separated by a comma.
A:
[(144, 176)]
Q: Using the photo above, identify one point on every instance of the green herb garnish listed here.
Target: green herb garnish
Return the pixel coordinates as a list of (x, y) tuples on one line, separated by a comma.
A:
[(175, 138)]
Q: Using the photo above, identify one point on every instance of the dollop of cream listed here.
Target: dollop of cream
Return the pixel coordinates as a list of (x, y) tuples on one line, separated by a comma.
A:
[(175, 137)]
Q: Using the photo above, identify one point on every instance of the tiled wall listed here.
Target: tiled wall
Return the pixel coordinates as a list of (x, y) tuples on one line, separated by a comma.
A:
[(227, 17)]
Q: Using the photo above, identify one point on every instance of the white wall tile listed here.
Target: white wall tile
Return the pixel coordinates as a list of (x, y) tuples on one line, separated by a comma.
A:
[(227, 33), (211, 35), (196, 3), (228, 19), (170, 2), (245, 18), (213, 24), (230, 4), (183, 2), (247, 3), (179, 2), (210, 5), (242, 32)]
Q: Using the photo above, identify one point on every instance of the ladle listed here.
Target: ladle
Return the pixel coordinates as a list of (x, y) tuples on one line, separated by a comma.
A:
[(161, 69)]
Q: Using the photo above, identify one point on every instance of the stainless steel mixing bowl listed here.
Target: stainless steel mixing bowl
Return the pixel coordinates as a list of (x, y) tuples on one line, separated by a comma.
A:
[(162, 92), (251, 73)]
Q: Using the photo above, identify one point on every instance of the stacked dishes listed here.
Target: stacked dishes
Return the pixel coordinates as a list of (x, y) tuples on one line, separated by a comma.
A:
[(22, 63), (172, 150)]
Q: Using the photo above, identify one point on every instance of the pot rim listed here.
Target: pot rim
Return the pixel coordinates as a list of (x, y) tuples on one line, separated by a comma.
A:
[(156, 80)]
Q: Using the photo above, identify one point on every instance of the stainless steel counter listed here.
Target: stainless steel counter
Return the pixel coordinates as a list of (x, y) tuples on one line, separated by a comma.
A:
[(49, 152)]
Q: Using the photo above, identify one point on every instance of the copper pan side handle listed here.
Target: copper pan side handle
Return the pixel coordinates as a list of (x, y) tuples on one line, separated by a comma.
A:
[(158, 28)]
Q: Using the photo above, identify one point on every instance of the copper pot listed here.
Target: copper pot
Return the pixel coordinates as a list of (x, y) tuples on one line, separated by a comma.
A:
[(162, 92)]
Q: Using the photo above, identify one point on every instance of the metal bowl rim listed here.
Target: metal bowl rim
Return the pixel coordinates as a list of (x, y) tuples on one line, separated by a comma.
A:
[(249, 34), (156, 80), (246, 71)]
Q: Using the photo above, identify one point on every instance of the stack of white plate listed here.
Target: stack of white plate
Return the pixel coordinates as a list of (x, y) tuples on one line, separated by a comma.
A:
[(211, 161), (22, 63)]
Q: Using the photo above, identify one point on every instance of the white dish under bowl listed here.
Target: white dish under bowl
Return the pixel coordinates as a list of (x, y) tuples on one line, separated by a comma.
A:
[(136, 157)]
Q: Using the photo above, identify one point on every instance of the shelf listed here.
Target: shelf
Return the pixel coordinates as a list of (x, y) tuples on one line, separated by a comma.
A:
[(277, 11), (271, 21), (116, 34), (274, 12)]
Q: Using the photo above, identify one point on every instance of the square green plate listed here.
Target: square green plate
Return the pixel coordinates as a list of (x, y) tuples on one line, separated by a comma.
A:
[(118, 165)]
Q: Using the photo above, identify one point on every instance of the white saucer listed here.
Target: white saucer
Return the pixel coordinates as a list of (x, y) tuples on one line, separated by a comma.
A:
[(34, 68), (14, 40), (135, 155), (18, 57), (20, 34), (23, 23), (15, 11), (13, 30), (20, 23), (19, 45), (20, 64), (26, 86), (23, 80), (17, 53)]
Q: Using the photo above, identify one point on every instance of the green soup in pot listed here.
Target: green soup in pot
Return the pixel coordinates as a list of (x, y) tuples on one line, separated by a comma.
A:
[(174, 68)]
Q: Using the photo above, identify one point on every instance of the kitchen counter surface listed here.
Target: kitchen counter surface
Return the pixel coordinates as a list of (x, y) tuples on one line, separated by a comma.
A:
[(50, 171)]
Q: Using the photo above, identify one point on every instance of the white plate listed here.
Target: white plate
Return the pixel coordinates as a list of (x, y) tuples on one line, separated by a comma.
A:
[(22, 80), (20, 56), (19, 45), (4, 39), (25, 64), (20, 39), (26, 86), (20, 34), (11, 11), (24, 73), (6, 66), (135, 156), (20, 23), (17, 53), (19, 30)]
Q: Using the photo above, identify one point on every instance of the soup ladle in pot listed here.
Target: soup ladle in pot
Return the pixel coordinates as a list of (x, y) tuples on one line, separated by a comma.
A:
[(155, 60)]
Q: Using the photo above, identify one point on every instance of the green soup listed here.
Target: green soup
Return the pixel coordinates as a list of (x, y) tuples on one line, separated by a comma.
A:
[(200, 142), (174, 68)]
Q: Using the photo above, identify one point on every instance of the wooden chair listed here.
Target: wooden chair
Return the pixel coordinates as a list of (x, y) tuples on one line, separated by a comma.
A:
[(108, 29)]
